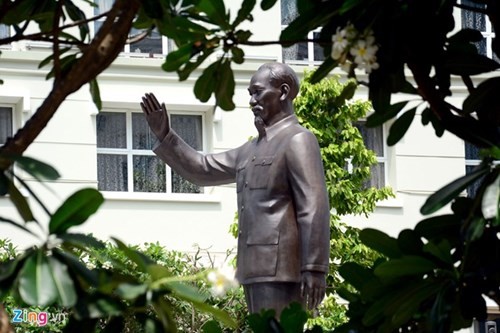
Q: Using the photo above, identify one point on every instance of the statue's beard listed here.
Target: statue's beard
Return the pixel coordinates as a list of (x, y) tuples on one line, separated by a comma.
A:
[(260, 125)]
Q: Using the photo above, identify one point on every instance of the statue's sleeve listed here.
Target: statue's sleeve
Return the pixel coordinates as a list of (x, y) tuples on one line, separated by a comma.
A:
[(307, 179), (198, 168)]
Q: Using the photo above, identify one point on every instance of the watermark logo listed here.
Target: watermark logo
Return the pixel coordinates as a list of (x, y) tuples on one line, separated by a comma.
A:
[(40, 318)]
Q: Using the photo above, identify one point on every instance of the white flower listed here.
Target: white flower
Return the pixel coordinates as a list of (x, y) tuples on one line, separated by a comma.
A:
[(363, 52), (340, 43), (107, 265), (222, 280)]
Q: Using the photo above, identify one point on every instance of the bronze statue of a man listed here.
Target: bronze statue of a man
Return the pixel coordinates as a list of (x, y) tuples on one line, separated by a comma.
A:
[(283, 209)]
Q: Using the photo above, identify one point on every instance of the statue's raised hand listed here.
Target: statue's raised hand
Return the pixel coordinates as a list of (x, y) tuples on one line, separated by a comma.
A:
[(156, 115)]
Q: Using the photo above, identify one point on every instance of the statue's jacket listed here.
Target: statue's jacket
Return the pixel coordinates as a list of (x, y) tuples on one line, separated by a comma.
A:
[(283, 209)]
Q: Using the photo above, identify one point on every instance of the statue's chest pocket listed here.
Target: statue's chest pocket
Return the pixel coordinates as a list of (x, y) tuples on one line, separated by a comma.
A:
[(259, 173)]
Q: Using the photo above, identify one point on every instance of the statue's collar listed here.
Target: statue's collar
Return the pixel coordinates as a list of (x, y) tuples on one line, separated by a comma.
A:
[(274, 129)]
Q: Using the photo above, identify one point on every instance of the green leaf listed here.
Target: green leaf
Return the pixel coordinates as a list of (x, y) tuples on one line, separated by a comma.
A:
[(267, 4), (441, 250), (186, 292), (95, 93), (439, 227), (75, 210), (355, 274), (407, 305), (244, 13), (77, 267), (452, 190), (81, 241), (491, 197), (76, 14), (381, 116), (190, 66), (175, 59), (400, 126), (380, 242), (484, 94), (204, 86), (20, 203), (220, 315), (293, 318), (224, 86), (406, 265), (211, 326), (63, 283), (216, 12), (409, 242), (238, 55), (323, 70), (36, 286), (470, 64), (348, 5), (141, 260), (97, 306), (4, 183), (346, 94), (131, 291), (38, 169)]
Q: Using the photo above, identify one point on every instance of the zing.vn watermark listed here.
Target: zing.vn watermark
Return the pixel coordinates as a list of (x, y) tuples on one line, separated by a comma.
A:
[(40, 318)]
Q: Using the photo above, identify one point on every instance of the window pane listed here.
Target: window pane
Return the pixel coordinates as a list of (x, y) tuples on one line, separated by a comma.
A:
[(377, 176), (472, 19), (296, 52), (151, 44), (180, 185), (5, 124), (318, 49), (189, 129), (471, 152), (149, 174), (111, 130), (4, 31), (288, 11), (472, 189), (373, 137), (112, 172), (102, 6), (142, 136)]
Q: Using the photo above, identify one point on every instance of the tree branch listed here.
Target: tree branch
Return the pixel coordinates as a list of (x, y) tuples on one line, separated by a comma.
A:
[(102, 51), (43, 35)]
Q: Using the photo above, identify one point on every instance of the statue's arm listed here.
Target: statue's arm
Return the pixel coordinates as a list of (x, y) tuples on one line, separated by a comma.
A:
[(203, 170), (306, 175)]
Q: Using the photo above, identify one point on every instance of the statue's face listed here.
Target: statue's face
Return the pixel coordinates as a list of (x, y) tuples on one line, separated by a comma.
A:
[(264, 97)]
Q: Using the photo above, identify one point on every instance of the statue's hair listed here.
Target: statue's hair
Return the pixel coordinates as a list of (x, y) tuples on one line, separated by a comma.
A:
[(282, 73)]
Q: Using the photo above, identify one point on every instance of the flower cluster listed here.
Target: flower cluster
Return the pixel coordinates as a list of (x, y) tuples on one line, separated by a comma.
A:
[(352, 48), (222, 280)]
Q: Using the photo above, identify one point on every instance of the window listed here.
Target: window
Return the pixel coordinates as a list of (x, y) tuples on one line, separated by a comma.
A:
[(472, 160), (374, 140), (5, 124), (480, 22), (4, 31), (152, 44), (305, 52), (125, 162)]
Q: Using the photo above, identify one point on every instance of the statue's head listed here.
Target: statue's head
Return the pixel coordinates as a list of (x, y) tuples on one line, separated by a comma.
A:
[(280, 73)]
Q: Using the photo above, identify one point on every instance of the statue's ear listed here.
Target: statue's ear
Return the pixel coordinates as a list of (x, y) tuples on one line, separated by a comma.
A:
[(285, 91)]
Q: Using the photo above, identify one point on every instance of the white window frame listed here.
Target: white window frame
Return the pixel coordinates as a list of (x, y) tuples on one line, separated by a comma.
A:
[(130, 153)]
